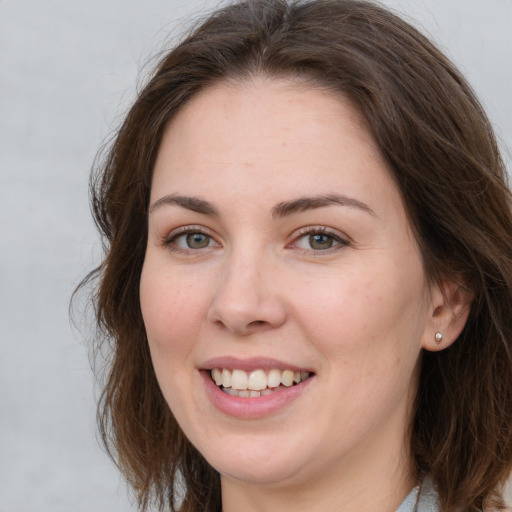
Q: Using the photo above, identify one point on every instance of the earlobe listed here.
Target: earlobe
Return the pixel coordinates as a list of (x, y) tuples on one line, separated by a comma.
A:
[(450, 307)]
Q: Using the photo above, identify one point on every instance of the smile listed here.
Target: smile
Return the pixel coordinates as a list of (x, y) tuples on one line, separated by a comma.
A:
[(256, 383)]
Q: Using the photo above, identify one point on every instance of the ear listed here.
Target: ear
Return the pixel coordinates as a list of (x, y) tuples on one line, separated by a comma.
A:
[(449, 311)]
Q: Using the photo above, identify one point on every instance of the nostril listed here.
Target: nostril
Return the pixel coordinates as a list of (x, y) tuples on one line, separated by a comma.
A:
[(256, 323)]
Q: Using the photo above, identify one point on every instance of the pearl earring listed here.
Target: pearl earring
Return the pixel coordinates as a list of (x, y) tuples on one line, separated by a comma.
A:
[(439, 337)]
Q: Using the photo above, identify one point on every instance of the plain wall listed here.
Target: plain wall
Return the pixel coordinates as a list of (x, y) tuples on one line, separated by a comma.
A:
[(68, 71)]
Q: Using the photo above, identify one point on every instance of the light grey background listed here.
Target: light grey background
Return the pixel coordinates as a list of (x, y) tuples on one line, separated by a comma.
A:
[(68, 71)]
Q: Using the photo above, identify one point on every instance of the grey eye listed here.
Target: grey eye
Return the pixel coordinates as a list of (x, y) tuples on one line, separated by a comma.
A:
[(320, 241), (197, 240)]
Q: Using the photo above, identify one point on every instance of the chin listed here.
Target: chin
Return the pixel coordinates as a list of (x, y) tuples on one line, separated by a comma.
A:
[(252, 461), (264, 474)]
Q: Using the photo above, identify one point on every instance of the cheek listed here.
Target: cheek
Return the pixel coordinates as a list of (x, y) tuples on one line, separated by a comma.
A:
[(366, 319), (171, 308), (368, 332), (343, 308)]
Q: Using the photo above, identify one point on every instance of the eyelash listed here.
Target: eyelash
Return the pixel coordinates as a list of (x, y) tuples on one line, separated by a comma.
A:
[(338, 240), (170, 240), (309, 231)]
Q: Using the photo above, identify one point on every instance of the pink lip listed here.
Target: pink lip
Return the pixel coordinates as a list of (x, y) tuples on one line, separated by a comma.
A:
[(252, 408), (249, 364)]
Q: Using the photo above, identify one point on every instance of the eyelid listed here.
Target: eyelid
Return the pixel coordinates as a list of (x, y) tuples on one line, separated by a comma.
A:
[(168, 239), (341, 239)]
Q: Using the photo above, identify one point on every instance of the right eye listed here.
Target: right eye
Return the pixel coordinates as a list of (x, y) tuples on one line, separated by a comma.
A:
[(190, 239), (194, 240)]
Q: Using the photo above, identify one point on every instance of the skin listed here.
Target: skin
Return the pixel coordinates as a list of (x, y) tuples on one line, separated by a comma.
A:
[(357, 314)]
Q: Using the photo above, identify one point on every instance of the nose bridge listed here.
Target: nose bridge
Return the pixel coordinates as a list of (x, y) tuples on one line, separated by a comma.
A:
[(246, 300)]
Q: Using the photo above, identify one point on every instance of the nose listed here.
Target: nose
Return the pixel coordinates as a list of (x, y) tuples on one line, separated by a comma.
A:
[(247, 298)]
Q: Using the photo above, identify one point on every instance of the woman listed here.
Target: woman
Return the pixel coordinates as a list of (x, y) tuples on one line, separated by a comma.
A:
[(307, 282)]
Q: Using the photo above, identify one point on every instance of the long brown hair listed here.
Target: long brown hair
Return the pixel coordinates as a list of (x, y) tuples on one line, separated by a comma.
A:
[(445, 161)]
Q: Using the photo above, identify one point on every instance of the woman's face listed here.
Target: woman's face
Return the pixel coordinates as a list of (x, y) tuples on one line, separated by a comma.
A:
[(279, 249)]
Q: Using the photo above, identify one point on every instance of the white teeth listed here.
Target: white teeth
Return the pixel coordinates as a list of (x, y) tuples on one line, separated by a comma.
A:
[(246, 393), (287, 378), (256, 383), (257, 380), (274, 378), (226, 378), (239, 379), (217, 376)]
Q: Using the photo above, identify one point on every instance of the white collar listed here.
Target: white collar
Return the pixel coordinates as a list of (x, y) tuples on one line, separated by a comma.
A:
[(422, 498)]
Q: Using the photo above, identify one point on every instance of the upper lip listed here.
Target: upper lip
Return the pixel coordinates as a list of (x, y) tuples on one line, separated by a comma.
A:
[(249, 364)]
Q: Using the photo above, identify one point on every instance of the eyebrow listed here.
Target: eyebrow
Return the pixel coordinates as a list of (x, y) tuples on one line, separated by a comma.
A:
[(310, 203), (281, 210), (190, 203)]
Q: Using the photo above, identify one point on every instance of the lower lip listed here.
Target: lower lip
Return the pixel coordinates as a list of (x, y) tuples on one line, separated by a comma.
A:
[(256, 407)]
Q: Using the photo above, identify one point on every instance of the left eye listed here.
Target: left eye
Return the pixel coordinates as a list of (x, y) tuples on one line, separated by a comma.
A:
[(319, 241), (193, 240)]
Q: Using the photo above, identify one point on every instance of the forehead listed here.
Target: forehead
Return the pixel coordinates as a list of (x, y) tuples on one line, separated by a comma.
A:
[(268, 135), (268, 108)]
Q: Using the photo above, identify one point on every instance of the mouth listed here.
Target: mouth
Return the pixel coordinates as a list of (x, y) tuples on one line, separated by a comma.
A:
[(256, 383)]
